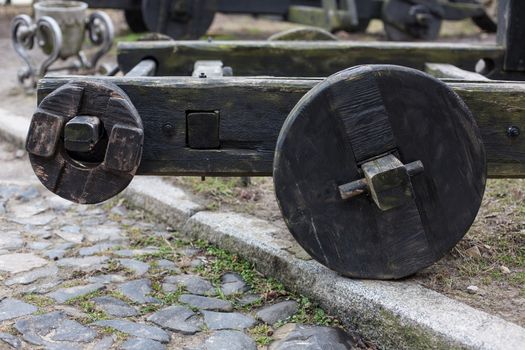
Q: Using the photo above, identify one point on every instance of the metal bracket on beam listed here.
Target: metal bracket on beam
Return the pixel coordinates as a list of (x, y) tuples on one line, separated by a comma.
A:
[(387, 180), (211, 69)]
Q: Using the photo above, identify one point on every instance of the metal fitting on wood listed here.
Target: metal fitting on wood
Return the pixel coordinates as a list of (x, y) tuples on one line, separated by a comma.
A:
[(386, 179), (82, 133)]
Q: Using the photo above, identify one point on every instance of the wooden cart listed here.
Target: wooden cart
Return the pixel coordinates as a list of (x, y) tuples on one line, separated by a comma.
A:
[(379, 169)]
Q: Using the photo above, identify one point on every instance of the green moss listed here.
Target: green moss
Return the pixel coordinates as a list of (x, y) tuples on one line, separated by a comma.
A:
[(113, 266), (220, 37), (38, 300), (262, 334), (310, 313), (129, 37), (149, 308), (221, 261), (399, 336), (216, 186), (172, 298), (86, 297), (217, 190), (121, 337), (120, 296), (93, 314), (73, 283)]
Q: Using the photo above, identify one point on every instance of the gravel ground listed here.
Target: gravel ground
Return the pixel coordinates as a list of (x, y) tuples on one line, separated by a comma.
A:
[(108, 277), (492, 256)]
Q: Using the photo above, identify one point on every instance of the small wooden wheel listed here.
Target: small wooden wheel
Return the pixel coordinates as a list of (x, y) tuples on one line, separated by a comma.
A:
[(85, 141), (180, 19), (406, 20), (379, 171)]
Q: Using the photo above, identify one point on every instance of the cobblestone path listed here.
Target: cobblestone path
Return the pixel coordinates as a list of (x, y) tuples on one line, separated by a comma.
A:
[(107, 277)]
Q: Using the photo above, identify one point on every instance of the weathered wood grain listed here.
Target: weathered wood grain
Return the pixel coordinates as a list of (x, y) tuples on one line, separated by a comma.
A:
[(59, 169), (305, 59), (511, 30), (253, 111), (497, 107), (415, 221), (367, 136)]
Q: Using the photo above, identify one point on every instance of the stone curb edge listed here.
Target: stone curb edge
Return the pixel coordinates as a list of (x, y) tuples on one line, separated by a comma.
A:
[(396, 315), (13, 128)]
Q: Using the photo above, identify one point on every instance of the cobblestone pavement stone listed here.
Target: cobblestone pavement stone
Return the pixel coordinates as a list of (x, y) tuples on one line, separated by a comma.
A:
[(109, 277)]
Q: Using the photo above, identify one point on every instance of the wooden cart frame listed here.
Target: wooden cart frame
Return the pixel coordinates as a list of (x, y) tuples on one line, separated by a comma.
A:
[(91, 135)]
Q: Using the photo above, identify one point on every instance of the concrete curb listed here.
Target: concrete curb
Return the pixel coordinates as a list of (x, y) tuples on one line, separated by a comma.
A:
[(394, 314), (13, 128)]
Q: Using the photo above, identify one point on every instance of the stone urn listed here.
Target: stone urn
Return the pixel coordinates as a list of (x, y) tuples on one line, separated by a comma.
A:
[(71, 18), (59, 29)]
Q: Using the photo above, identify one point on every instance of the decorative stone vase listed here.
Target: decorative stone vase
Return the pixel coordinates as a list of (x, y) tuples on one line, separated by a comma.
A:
[(71, 18), (59, 29)]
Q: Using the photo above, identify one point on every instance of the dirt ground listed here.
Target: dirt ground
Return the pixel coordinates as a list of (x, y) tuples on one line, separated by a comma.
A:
[(490, 257)]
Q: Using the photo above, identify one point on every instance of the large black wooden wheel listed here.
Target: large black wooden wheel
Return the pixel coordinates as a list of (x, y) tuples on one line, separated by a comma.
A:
[(135, 21), (379, 171), (85, 141), (180, 19)]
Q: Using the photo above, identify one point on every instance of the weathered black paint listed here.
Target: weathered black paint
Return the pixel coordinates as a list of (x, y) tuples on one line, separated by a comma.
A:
[(253, 110), (316, 153)]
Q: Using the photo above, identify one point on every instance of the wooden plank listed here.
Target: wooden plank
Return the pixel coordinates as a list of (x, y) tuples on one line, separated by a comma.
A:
[(305, 59), (511, 30), (114, 4), (273, 7), (253, 111), (496, 107), (449, 71), (364, 118), (329, 17)]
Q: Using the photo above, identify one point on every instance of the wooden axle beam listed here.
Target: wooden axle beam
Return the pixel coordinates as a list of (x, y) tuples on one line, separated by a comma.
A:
[(249, 114), (274, 7), (305, 59)]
